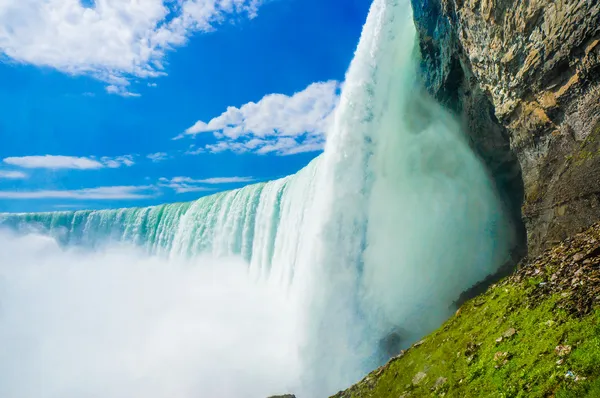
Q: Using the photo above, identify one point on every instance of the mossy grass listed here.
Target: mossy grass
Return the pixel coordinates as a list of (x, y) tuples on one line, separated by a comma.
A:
[(524, 337)]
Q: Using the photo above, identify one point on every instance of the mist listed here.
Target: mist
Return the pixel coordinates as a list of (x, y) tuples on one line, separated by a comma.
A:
[(115, 322)]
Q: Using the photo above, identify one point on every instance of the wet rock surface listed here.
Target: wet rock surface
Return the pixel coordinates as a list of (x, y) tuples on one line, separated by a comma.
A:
[(525, 78)]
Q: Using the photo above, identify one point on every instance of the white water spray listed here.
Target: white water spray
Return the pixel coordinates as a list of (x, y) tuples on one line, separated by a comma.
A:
[(371, 243)]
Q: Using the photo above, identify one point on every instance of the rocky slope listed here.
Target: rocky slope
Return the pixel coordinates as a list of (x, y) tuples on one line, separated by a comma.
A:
[(534, 334), (524, 75)]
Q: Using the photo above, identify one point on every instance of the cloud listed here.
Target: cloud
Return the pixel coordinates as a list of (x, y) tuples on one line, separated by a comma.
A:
[(115, 163), (187, 184), (120, 90), (99, 193), (12, 175), (277, 123), (68, 162), (158, 156), (111, 40), (225, 180)]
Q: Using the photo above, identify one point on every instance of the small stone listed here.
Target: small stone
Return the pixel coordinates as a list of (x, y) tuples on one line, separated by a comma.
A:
[(499, 340), (563, 350), (560, 362), (549, 323), (400, 354), (578, 257), (419, 377), (510, 333), (418, 343)]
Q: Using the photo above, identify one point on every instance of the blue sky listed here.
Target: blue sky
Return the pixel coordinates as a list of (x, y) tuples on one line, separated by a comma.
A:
[(113, 103)]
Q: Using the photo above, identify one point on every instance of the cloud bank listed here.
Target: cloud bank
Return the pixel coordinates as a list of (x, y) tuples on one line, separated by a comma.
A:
[(177, 184), (57, 162), (12, 175), (112, 40), (278, 123), (98, 193), (187, 184)]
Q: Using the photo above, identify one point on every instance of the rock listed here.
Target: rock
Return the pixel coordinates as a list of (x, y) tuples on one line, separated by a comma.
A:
[(509, 333), (562, 350), (524, 77), (419, 377)]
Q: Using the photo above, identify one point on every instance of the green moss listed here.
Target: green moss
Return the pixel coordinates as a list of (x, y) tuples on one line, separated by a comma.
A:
[(476, 354), (464, 352)]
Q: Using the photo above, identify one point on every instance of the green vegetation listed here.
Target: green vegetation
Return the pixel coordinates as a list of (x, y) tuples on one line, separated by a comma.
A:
[(535, 334)]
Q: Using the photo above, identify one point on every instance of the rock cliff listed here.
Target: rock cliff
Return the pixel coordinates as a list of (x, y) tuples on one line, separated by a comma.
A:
[(524, 76)]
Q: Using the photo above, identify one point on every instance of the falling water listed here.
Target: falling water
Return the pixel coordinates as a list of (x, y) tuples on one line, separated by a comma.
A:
[(371, 242)]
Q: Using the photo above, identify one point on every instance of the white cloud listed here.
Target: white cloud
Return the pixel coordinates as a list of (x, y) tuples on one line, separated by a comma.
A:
[(187, 184), (99, 193), (158, 156), (12, 175), (115, 163), (68, 162), (120, 90), (54, 162), (113, 40), (226, 180), (277, 123)]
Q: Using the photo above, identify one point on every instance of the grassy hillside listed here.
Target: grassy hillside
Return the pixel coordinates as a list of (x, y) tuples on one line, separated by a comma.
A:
[(535, 334)]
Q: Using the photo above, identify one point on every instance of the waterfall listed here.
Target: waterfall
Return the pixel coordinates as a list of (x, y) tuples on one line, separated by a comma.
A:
[(372, 241)]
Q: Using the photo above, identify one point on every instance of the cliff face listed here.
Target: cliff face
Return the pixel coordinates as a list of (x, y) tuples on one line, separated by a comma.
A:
[(524, 75)]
